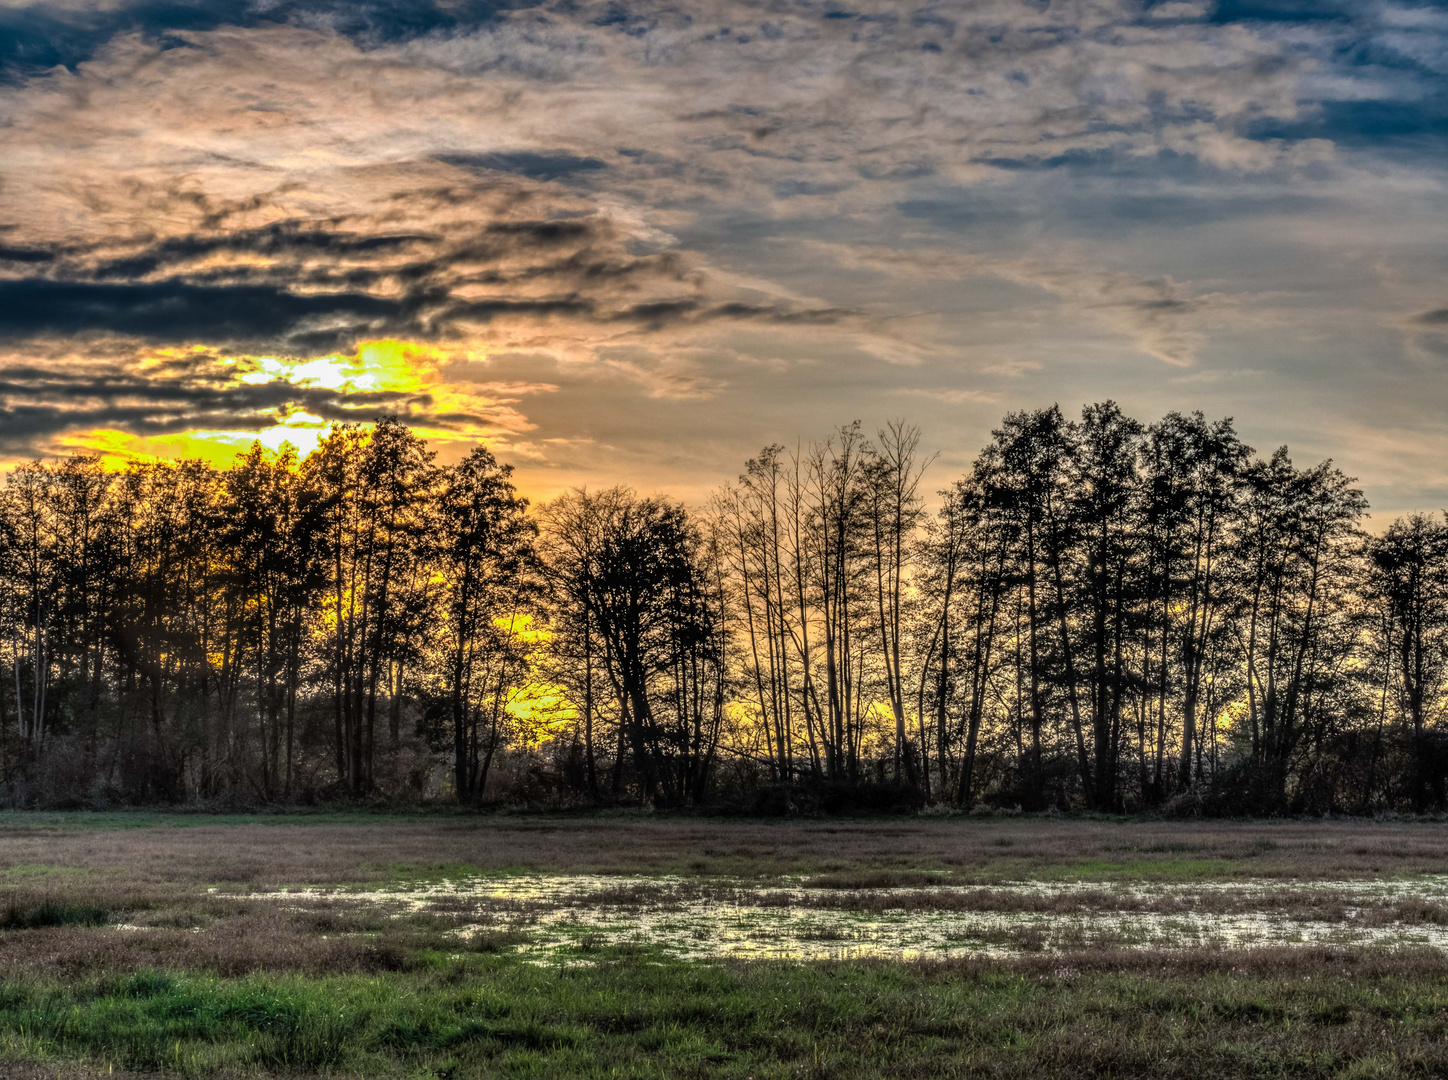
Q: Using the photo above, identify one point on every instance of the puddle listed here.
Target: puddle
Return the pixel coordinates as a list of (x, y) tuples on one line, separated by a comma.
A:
[(566, 917)]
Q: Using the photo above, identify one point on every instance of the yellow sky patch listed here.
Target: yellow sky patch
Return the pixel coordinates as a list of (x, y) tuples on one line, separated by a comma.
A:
[(377, 366), (219, 449), (386, 365)]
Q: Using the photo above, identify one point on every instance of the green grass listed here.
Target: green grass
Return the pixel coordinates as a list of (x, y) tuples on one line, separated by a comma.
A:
[(1133, 869), (641, 1016)]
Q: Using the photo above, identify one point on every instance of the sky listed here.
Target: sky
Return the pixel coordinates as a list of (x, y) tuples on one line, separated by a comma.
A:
[(634, 242)]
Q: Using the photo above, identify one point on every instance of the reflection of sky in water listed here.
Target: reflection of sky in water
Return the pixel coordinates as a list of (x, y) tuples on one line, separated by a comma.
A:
[(693, 922)]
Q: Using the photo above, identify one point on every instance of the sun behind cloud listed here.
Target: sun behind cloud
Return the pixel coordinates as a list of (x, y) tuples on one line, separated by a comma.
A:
[(384, 365), (408, 376)]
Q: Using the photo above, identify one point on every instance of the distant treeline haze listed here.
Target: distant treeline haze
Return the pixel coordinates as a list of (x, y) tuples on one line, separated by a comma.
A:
[(1101, 615)]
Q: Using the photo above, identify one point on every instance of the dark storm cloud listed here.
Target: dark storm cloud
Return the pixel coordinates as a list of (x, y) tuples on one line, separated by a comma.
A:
[(776, 313), (44, 35), (191, 395), (322, 289), (166, 291), (295, 254), (535, 166), (13, 254), (1114, 163), (260, 316), (277, 240), (175, 310), (1284, 11), (659, 314), (542, 232), (295, 250), (487, 310), (39, 36)]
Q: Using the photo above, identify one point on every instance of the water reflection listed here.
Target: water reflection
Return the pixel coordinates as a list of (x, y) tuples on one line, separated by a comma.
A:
[(574, 915)]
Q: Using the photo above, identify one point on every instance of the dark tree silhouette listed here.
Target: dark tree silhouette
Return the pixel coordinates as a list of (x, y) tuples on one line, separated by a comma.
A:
[(1100, 614)]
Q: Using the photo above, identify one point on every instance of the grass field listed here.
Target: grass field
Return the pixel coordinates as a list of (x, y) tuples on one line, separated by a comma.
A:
[(455, 946)]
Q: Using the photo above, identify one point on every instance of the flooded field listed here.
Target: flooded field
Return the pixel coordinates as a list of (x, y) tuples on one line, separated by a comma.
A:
[(315, 895), (570, 916), (489, 946)]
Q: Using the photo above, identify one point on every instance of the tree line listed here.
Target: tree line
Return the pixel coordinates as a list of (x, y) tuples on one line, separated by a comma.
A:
[(1100, 614)]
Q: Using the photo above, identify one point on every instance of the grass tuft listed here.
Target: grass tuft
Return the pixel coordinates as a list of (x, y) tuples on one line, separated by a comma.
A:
[(21, 916)]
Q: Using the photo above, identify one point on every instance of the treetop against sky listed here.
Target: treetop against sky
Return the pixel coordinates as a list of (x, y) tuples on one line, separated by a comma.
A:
[(636, 240)]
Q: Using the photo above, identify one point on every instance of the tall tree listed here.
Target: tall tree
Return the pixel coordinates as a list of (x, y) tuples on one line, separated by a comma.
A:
[(654, 603), (1105, 503), (485, 555), (1409, 576), (1298, 541), (893, 479)]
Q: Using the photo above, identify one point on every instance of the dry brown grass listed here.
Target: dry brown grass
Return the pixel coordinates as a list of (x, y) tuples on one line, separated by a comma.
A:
[(230, 936), (235, 947), (1321, 905), (1287, 962), (849, 855)]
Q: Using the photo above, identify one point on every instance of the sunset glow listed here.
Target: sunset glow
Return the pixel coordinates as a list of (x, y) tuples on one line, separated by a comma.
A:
[(396, 370), (617, 241), (724, 538)]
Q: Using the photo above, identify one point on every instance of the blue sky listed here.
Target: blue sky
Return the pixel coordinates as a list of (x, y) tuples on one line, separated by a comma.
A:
[(635, 242)]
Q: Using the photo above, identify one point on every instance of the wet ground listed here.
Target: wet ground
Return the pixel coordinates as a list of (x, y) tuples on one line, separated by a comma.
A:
[(556, 916)]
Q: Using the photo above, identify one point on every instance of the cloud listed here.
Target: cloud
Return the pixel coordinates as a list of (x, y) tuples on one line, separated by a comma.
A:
[(173, 311), (676, 208), (40, 34), (1425, 335), (1166, 319), (1011, 369), (951, 395), (44, 404), (298, 285), (534, 165)]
